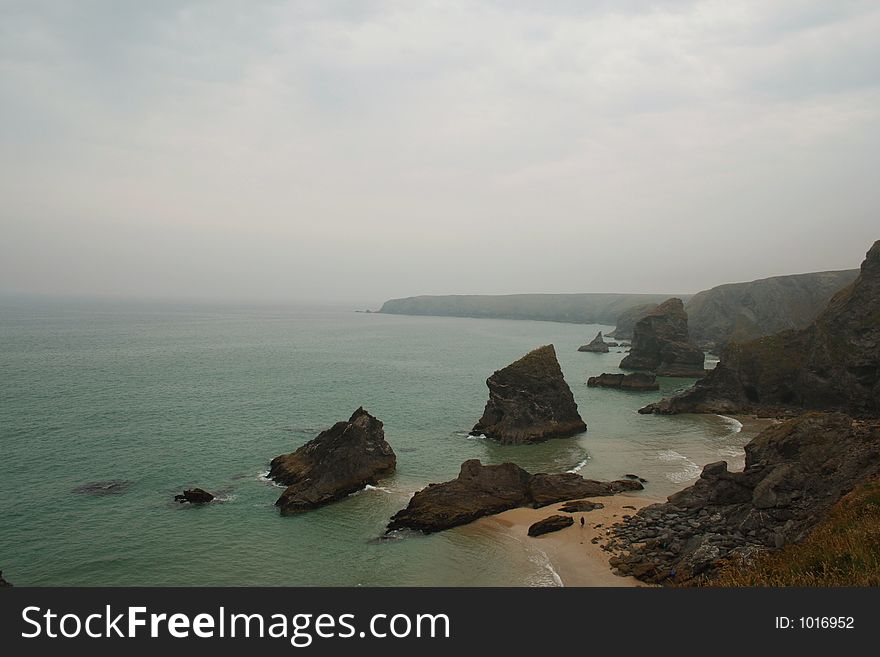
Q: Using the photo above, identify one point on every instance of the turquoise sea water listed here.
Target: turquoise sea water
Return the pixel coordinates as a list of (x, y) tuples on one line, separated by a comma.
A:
[(168, 396)]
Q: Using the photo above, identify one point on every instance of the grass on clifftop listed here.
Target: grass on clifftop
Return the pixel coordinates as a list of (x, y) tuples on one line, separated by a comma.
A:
[(843, 550)]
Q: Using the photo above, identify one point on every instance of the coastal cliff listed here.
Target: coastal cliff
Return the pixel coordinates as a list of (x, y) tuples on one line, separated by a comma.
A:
[(529, 401), (337, 462), (661, 343), (832, 365)]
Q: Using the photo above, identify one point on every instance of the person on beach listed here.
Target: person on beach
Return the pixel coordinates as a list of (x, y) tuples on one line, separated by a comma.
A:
[(582, 522)]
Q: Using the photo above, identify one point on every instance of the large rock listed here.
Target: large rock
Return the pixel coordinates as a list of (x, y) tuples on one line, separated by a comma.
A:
[(194, 496), (794, 473), (661, 343), (482, 490), (832, 365), (598, 345), (529, 401), (626, 321), (550, 524), (634, 381), (738, 312), (337, 462)]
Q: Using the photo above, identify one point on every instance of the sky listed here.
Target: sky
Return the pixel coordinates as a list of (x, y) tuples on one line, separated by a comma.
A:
[(359, 151)]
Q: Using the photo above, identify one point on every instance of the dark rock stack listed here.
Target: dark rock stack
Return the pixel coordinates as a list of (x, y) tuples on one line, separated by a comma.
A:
[(550, 524), (482, 490), (194, 496), (626, 321), (661, 344), (794, 473), (337, 462), (634, 381), (598, 345), (529, 401), (832, 365)]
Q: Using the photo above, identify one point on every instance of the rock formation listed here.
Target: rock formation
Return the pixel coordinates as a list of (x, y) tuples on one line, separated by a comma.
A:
[(626, 321), (634, 381), (194, 496), (529, 401), (482, 490), (580, 506), (337, 462), (834, 364), (598, 345), (661, 344), (550, 524), (794, 473), (101, 488), (3, 582), (746, 311)]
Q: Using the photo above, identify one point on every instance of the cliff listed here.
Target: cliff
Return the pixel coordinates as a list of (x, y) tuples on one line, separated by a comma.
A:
[(832, 365), (745, 311)]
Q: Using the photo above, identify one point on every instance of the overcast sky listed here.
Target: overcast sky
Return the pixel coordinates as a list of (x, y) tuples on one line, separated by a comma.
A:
[(364, 150)]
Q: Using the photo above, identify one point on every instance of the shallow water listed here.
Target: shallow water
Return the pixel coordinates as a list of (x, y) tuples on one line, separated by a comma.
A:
[(159, 397)]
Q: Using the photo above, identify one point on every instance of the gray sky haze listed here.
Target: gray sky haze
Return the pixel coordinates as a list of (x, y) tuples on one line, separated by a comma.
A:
[(365, 150)]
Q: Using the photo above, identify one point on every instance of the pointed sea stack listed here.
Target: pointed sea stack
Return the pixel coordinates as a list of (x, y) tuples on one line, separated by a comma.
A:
[(598, 345), (832, 365), (661, 344), (529, 402), (337, 462)]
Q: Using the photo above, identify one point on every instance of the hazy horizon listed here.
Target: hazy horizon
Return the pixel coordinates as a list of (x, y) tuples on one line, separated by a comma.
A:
[(356, 152)]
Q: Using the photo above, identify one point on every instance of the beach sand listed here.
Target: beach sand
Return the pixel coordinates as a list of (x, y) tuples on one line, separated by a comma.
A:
[(576, 560)]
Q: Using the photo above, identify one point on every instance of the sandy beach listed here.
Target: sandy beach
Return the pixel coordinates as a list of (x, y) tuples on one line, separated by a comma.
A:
[(575, 558)]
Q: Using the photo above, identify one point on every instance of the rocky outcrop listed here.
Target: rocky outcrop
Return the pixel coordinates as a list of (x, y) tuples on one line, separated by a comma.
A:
[(661, 344), (626, 321), (580, 506), (634, 381), (3, 582), (598, 345), (832, 365), (550, 524), (529, 401), (482, 490), (337, 462), (739, 312), (794, 473), (194, 496)]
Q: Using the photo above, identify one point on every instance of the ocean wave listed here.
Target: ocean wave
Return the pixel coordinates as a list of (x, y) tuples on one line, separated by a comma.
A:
[(547, 575), (578, 467), (264, 477), (477, 437), (689, 471), (734, 424)]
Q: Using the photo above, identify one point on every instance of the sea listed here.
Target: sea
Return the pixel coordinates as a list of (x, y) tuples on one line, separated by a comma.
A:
[(110, 408)]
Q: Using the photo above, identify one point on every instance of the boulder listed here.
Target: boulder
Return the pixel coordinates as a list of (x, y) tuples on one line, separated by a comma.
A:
[(194, 496), (337, 462), (634, 381), (626, 320), (661, 344), (579, 506), (832, 365), (598, 345), (529, 401), (482, 490), (550, 524)]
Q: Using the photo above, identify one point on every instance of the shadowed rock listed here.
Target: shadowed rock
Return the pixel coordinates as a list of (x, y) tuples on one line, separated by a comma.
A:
[(482, 490), (661, 344), (337, 462), (550, 524), (580, 506), (598, 345), (634, 381), (194, 496), (529, 401)]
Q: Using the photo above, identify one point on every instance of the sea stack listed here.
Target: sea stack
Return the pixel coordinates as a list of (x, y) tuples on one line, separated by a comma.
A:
[(661, 344), (598, 345), (529, 402), (832, 365), (337, 462), (482, 490)]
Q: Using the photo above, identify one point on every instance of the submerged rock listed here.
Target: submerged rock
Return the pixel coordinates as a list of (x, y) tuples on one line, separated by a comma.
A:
[(482, 490), (550, 524), (598, 345), (337, 462), (634, 381), (832, 365), (194, 496), (101, 488), (661, 344), (529, 401)]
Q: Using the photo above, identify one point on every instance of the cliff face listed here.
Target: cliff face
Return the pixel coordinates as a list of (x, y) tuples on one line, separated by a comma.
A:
[(834, 364), (529, 401), (746, 311), (626, 321), (337, 462), (574, 308), (661, 343)]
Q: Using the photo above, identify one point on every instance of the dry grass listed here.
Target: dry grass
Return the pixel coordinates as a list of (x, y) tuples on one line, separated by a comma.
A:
[(843, 550)]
